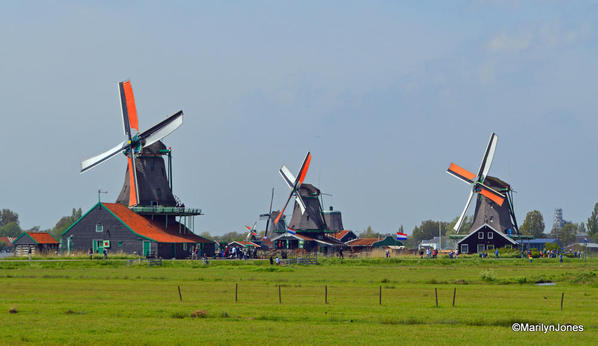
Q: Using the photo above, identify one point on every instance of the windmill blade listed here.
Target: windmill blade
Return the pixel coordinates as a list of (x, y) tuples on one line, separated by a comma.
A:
[(161, 129), (96, 160), (127, 106), (300, 202), (282, 211), (460, 221), (269, 214), (133, 191), (461, 173), (493, 196), (488, 157), (287, 176), (303, 171)]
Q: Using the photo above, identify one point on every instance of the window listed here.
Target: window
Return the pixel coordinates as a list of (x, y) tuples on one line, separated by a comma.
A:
[(99, 227), (508, 246), (120, 243), (481, 247), (480, 235), (490, 235), (490, 247), (464, 248), (184, 246)]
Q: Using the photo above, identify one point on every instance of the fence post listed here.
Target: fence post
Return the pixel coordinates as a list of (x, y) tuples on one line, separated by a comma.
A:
[(279, 296), (325, 294), (436, 294), (380, 296), (562, 298), (236, 290), (181, 296), (454, 294)]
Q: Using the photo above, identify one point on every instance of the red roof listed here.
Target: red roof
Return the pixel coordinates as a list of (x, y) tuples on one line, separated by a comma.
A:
[(153, 229), (42, 237), (339, 235), (363, 242)]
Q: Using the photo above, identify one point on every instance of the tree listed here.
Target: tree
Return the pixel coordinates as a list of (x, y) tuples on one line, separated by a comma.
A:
[(65, 222), (533, 224), (368, 233), (566, 234), (593, 222), (10, 230), (465, 225), (8, 216), (429, 229)]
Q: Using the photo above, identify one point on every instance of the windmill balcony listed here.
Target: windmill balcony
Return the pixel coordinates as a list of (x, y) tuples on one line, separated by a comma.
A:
[(161, 210)]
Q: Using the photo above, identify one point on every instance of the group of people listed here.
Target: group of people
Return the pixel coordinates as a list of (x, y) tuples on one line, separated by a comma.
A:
[(104, 252), (239, 253), (429, 253)]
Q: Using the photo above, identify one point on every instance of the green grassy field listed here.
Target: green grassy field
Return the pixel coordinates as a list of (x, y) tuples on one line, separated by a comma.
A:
[(85, 302)]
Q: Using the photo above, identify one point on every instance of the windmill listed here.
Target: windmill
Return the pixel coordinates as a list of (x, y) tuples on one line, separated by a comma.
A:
[(135, 142), (494, 197), (269, 216), (251, 235), (295, 185)]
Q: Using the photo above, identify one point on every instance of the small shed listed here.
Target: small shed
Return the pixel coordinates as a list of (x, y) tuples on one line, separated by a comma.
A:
[(35, 243)]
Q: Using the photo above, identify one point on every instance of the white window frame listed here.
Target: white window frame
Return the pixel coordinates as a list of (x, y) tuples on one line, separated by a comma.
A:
[(100, 228), (483, 246), (490, 235), (490, 247), (481, 235), (464, 248)]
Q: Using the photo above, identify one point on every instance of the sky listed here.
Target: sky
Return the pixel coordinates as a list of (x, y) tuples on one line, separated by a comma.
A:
[(384, 94)]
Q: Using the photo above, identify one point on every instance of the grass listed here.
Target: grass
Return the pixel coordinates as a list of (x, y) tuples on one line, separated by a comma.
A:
[(93, 302)]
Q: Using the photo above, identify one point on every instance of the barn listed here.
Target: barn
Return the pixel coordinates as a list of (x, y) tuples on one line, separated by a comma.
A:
[(485, 238), (36, 243), (115, 227)]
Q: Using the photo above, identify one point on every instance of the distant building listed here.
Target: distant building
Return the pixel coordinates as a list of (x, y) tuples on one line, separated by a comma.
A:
[(344, 236), (539, 243), (368, 244), (35, 243)]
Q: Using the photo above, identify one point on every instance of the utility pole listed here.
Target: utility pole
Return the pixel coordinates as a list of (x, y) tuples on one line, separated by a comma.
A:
[(439, 237)]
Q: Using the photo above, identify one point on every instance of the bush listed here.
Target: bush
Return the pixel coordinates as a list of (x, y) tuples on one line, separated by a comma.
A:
[(488, 275)]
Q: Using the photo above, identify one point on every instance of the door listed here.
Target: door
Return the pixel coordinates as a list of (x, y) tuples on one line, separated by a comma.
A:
[(98, 245), (69, 243), (146, 248), (481, 247)]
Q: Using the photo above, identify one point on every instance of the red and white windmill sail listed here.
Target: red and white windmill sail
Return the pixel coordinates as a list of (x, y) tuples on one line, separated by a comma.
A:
[(134, 142), (477, 181), (294, 184)]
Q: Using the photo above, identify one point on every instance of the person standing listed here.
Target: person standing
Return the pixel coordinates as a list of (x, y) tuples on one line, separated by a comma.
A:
[(496, 253), (90, 254), (105, 252)]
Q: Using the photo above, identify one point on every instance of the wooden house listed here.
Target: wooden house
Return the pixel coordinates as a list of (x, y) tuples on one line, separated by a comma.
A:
[(115, 227), (35, 243), (485, 238)]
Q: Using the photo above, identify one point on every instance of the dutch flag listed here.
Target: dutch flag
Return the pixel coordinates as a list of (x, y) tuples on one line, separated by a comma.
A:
[(290, 230), (401, 236)]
